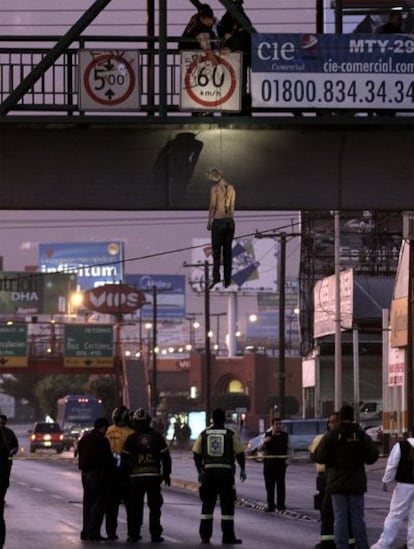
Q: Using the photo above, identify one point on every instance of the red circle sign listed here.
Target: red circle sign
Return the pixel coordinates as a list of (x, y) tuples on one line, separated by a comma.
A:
[(215, 102), (107, 57)]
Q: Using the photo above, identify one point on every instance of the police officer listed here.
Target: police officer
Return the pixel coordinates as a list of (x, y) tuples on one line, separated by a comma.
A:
[(118, 486), (276, 447), (8, 448), (214, 453), (147, 458), (97, 464)]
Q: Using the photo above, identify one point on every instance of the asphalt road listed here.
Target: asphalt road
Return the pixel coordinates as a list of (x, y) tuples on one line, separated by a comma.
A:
[(44, 506)]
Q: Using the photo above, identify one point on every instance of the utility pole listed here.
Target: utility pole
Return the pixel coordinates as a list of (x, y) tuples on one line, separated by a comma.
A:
[(207, 340), (207, 372), (338, 333), (154, 390), (282, 312)]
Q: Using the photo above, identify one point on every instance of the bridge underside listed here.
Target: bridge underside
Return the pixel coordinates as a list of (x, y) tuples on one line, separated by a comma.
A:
[(140, 167)]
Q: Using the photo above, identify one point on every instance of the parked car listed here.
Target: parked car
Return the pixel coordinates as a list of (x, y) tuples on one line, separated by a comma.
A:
[(301, 433), (71, 434), (376, 433), (46, 435), (252, 447)]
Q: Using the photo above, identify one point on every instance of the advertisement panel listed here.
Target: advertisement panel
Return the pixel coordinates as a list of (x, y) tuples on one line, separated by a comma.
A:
[(254, 265), (94, 263), (340, 71), (23, 293), (325, 304), (170, 294), (88, 345)]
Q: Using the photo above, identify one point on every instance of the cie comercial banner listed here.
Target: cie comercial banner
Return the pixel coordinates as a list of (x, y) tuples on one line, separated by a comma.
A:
[(351, 71)]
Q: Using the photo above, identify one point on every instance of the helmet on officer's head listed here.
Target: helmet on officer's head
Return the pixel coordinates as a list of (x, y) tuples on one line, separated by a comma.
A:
[(120, 415), (141, 415)]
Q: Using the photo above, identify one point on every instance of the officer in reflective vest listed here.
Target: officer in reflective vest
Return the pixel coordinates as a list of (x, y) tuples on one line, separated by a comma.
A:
[(215, 451)]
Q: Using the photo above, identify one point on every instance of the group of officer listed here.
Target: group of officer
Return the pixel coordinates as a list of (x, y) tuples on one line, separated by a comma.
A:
[(123, 463), (129, 459)]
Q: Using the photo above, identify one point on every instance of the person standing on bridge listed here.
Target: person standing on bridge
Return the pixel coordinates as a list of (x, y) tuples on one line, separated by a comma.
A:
[(221, 224)]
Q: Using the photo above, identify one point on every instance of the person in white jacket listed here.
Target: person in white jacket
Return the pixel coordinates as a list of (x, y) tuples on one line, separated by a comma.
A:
[(400, 467)]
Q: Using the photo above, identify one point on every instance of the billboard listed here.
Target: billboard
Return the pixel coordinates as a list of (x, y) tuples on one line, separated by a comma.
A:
[(23, 293), (324, 296), (339, 71), (254, 265), (170, 294), (94, 263)]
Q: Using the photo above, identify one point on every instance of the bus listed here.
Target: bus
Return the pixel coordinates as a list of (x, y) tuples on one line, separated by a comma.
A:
[(76, 413)]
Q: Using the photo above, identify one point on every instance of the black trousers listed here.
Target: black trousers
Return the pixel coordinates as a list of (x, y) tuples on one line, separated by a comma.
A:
[(135, 511), (274, 475), (93, 483), (217, 485), (4, 484), (222, 234), (117, 491)]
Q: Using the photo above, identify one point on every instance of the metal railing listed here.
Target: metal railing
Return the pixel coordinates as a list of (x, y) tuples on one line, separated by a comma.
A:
[(57, 91)]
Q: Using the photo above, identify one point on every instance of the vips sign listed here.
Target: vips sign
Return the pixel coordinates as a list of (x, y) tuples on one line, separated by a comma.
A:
[(207, 87), (114, 299), (350, 71)]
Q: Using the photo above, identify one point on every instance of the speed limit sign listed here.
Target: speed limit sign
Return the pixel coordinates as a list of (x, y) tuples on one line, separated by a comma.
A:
[(209, 87), (108, 80)]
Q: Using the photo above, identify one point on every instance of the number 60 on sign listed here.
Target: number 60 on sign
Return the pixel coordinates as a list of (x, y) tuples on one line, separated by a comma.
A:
[(208, 87)]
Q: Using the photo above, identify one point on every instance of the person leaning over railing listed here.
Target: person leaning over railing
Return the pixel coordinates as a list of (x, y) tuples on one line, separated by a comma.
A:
[(199, 33)]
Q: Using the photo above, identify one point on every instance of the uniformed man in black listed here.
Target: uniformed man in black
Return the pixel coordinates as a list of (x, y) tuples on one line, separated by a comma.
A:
[(147, 457), (97, 465), (276, 447), (215, 451)]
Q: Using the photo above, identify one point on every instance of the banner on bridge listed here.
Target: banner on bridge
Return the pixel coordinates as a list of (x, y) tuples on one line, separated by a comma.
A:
[(340, 71), (88, 345)]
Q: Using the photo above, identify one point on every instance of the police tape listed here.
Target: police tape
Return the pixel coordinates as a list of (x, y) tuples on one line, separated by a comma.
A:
[(261, 457), (21, 456)]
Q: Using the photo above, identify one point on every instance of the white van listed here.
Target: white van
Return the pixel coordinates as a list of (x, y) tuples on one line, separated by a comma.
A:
[(370, 409), (302, 431)]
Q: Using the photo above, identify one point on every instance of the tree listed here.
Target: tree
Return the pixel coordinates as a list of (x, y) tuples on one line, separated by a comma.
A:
[(52, 387)]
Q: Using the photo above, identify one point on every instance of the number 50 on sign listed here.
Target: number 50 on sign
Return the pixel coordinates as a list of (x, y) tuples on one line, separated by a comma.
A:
[(208, 87)]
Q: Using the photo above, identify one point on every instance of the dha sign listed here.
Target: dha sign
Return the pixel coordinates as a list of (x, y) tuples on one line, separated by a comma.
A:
[(114, 299)]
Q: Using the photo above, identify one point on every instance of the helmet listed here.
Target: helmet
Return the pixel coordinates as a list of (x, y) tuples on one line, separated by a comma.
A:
[(120, 415), (142, 415)]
